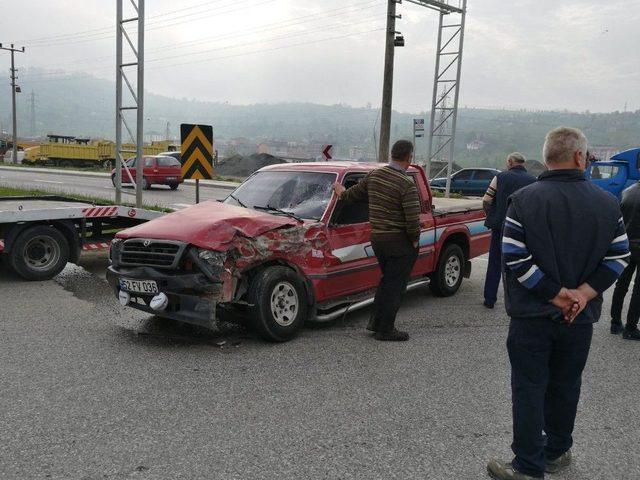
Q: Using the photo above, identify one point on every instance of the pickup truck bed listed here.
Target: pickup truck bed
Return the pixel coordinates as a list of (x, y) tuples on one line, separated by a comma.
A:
[(442, 206)]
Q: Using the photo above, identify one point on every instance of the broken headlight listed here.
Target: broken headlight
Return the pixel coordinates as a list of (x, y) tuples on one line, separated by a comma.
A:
[(213, 258), (115, 247)]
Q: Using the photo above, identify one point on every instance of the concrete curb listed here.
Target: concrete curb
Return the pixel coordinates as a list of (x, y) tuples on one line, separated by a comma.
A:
[(79, 173)]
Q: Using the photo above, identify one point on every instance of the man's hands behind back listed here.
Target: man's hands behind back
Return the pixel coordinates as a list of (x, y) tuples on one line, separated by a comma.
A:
[(573, 301)]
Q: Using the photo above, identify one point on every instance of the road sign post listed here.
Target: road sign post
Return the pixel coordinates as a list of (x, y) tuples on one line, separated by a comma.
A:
[(418, 132), (197, 153)]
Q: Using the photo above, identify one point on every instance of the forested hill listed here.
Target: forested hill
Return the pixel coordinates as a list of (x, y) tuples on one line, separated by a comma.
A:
[(84, 106)]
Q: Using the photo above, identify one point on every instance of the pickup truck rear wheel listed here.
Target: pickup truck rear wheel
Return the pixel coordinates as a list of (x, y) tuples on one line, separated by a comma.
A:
[(278, 304), (39, 253), (447, 278)]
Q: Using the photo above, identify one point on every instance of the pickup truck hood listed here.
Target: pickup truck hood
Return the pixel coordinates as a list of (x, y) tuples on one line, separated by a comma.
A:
[(210, 225)]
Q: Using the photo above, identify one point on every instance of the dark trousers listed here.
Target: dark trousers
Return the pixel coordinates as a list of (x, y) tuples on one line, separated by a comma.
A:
[(396, 259), (494, 268), (622, 286), (547, 360)]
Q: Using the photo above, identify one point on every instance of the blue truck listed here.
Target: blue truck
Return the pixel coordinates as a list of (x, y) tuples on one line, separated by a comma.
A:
[(619, 172)]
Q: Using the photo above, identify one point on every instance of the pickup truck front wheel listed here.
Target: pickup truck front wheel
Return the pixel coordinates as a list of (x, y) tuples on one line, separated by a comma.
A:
[(278, 304), (447, 278)]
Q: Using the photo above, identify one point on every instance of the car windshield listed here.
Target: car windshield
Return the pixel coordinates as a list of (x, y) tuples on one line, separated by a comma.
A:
[(303, 194), (599, 172)]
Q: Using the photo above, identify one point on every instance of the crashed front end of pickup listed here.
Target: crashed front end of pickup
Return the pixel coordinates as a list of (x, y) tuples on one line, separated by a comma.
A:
[(193, 263), (171, 278)]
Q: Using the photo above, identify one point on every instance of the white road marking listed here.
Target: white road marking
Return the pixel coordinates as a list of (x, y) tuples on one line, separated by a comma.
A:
[(47, 181), (181, 205)]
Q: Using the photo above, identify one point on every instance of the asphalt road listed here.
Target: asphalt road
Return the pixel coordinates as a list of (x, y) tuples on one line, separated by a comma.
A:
[(94, 391), (101, 187)]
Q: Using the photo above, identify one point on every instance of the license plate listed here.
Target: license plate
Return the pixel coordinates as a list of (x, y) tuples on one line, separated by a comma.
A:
[(139, 286), (172, 178)]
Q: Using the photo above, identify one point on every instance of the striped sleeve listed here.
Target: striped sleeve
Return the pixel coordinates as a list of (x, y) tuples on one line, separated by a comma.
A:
[(519, 262), (411, 208), (491, 191), (614, 262)]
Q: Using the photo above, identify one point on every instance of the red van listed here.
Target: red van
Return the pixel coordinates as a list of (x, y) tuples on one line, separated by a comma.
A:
[(157, 170)]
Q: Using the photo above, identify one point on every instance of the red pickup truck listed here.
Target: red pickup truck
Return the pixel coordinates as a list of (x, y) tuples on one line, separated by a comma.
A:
[(281, 250)]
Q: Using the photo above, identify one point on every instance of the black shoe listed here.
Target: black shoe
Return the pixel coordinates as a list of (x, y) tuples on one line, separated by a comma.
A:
[(616, 328), (371, 325), (500, 470), (392, 336), (631, 334), (488, 305), (560, 463)]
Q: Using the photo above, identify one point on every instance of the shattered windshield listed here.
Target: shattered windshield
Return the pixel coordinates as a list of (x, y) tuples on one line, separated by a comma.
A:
[(304, 194)]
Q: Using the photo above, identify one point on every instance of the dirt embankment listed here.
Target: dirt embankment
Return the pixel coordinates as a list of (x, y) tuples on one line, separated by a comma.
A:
[(239, 166)]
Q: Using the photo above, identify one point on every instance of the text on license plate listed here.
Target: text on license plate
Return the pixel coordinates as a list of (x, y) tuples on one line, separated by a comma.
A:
[(139, 286), (172, 178)]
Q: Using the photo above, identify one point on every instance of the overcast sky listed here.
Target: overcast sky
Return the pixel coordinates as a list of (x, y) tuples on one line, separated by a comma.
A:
[(536, 54)]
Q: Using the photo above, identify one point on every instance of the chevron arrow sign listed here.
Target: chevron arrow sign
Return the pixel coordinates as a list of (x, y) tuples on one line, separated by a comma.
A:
[(197, 151)]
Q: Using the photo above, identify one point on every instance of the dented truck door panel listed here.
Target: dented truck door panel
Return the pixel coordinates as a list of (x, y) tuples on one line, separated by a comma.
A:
[(353, 266)]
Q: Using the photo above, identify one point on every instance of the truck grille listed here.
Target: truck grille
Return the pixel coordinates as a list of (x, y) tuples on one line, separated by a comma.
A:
[(151, 253)]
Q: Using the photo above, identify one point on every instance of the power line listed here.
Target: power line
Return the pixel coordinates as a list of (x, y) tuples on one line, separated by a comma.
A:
[(321, 28), (284, 24), (110, 28), (108, 33), (253, 52)]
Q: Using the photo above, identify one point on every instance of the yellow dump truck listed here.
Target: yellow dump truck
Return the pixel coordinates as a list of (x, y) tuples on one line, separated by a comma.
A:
[(67, 151)]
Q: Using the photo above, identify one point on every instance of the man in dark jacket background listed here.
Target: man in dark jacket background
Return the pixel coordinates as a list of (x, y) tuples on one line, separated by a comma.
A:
[(630, 207), (494, 202), (559, 255)]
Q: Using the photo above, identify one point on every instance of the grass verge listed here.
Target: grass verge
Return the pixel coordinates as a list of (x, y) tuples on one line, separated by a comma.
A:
[(24, 192)]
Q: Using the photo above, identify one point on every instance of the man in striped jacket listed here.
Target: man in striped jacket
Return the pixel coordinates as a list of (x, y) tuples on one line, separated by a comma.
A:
[(564, 244), (394, 213)]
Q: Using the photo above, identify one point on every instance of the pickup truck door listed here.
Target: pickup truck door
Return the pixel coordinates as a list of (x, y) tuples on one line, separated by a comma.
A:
[(354, 266), (426, 254)]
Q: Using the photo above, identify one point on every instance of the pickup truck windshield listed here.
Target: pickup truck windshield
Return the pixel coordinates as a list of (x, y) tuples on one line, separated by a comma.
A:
[(305, 194)]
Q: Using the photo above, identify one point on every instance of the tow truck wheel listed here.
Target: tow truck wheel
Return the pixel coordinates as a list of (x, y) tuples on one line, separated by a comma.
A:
[(173, 186), (39, 253), (447, 278), (278, 304), (145, 184)]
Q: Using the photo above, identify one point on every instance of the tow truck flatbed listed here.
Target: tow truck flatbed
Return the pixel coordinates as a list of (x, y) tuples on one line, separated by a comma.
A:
[(39, 235)]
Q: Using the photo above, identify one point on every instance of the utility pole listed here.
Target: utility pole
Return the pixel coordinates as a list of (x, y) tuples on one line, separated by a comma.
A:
[(136, 99), (32, 122), (13, 98), (167, 133), (387, 87)]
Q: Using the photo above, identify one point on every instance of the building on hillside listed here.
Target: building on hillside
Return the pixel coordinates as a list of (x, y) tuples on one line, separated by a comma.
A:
[(476, 144), (356, 153)]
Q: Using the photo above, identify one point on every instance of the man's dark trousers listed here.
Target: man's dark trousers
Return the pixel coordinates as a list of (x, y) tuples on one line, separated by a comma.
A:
[(622, 286), (494, 268), (396, 259), (547, 359)]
